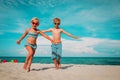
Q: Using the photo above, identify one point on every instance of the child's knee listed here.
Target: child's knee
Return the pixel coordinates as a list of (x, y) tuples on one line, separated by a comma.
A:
[(29, 56)]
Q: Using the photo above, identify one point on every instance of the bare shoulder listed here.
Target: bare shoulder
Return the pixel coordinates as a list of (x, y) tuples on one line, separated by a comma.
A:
[(61, 30), (38, 31), (27, 30)]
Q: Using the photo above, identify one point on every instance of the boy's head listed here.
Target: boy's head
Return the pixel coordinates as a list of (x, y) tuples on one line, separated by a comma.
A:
[(56, 22), (35, 22)]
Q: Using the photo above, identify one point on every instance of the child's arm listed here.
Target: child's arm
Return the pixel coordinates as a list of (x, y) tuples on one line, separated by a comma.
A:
[(47, 37), (49, 30), (22, 37), (75, 37)]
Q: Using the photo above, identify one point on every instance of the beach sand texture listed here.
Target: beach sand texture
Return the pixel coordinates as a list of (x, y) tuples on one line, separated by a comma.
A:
[(14, 71)]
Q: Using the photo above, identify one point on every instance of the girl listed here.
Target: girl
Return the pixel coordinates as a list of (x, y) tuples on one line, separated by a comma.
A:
[(31, 42)]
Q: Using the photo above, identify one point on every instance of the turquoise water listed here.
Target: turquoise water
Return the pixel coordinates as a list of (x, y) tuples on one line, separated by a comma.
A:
[(72, 60)]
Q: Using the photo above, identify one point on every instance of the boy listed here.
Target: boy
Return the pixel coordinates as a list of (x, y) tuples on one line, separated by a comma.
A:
[(57, 46)]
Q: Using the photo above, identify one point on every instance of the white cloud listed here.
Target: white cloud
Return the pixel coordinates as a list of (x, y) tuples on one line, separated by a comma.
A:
[(86, 46), (111, 47), (73, 47), (22, 51)]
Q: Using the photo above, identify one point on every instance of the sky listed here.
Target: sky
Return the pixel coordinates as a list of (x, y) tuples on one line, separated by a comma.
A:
[(97, 22)]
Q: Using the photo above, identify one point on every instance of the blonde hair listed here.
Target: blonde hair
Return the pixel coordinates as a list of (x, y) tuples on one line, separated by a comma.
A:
[(35, 18), (58, 19)]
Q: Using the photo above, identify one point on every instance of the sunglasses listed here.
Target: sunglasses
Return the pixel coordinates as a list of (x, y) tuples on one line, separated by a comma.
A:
[(35, 23), (57, 23)]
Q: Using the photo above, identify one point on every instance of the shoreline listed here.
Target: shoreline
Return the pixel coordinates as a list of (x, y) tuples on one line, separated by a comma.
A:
[(66, 64), (69, 60)]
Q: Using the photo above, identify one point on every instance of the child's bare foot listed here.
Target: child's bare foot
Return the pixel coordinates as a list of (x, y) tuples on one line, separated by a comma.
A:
[(55, 62), (59, 65), (56, 68), (25, 66), (28, 70)]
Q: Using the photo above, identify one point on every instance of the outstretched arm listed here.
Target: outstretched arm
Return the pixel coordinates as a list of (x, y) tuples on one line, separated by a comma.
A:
[(22, 37), (47, 37), (49, 30), (75, 37)]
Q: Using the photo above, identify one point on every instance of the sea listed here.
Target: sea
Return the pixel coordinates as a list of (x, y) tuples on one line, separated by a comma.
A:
[(71, 60)]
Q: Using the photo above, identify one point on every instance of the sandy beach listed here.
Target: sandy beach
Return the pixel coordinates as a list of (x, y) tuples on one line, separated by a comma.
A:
[(14, 71)]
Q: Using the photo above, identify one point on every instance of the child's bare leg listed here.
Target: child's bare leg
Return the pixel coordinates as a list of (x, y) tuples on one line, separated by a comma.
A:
[(26, 62), (58, 63), (30, 52), (55, 62), (29, 63)]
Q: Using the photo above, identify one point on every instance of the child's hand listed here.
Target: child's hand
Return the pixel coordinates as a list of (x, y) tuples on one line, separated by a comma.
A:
[(18, 41), (52, 42)]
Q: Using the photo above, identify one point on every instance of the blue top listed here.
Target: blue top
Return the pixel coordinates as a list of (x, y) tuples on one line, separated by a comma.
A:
[(34, 34)]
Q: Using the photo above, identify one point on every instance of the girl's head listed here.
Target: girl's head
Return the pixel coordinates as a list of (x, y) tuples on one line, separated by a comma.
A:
[(35, 22), (56, 22)]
